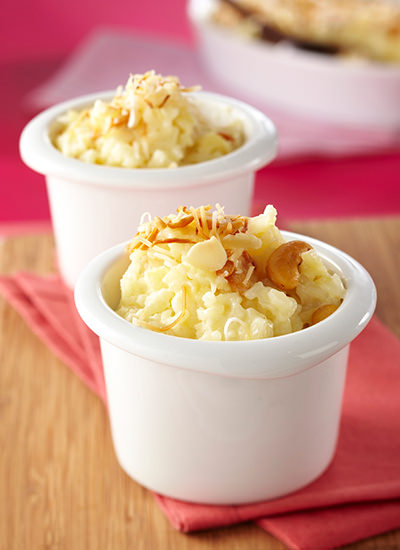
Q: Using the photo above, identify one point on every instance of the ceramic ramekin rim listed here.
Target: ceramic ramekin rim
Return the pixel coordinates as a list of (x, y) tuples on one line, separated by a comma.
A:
[(41, 155), (276, 357)]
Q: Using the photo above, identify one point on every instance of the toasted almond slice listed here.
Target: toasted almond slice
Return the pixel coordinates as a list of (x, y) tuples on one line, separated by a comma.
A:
[(242, 240), (209, 255)]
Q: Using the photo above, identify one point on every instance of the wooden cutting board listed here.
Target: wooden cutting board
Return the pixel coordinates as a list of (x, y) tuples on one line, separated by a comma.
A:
[(61, 487)]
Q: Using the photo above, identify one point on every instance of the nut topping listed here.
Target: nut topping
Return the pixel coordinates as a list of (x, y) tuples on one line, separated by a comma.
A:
[(322, 313), (283, 264)]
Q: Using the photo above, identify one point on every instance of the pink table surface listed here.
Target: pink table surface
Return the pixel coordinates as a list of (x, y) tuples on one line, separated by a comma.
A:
[(29, 53)]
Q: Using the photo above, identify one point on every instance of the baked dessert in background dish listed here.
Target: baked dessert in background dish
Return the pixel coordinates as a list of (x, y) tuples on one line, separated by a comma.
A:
[(365, 29), (154, 122), (206, 275)]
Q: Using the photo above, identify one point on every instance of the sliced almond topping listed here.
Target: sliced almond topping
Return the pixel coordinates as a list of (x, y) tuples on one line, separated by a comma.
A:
[(209, 255), (199, 228), (242, 240)]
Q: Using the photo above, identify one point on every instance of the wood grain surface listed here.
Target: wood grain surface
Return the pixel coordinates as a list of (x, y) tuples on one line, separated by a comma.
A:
[(61, 487)]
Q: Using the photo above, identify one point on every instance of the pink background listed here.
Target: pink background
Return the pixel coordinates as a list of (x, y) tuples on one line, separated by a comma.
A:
[(36, 37)]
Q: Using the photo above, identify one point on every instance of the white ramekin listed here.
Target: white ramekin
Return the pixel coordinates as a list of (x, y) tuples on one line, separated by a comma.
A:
[(94, 207), (224, 422), (324, 86)]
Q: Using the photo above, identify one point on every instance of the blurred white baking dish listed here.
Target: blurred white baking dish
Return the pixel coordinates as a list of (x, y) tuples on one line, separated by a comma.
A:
[(323, 86)]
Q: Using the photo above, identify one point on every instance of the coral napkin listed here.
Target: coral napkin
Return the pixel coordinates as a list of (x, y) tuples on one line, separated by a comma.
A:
[(358, 496)]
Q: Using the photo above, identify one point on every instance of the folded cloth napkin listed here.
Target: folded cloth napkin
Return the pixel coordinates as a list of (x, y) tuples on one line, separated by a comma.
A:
[(358, 496)]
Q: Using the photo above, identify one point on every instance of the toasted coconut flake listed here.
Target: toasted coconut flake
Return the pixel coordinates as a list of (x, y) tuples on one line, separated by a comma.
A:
[(220, 210), (237, 225), (164, 101), (145, 243), (199, 228), (229, 228), (175, 240), (136, 243), (248, 275), (226, 136), (160, 223), (153, 234), (180, 221), (214, 223), (143, 217), (204, 221), (131, 119)]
